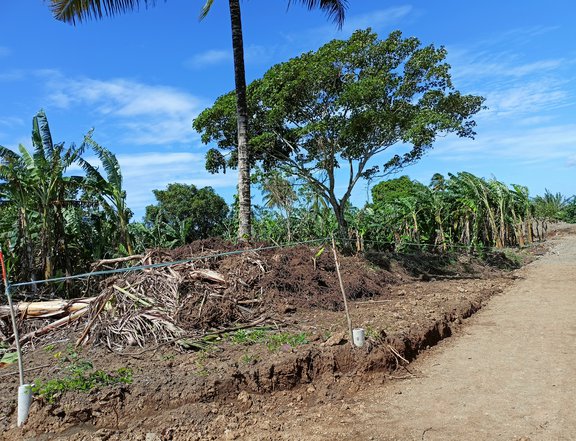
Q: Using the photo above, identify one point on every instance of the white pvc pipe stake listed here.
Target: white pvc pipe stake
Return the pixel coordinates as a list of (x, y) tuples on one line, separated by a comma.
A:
[(24, 401), (358, 337)]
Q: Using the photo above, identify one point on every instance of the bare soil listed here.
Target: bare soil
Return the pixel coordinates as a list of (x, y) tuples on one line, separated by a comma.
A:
[(325, 388)]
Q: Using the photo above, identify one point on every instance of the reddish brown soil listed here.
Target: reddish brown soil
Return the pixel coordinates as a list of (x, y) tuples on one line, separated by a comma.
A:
[(405, 303)]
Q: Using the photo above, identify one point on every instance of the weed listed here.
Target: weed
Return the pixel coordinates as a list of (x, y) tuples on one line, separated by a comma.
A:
[(200, 363), (50, 348), (9, 357), (273, 341), (248, 337), (80, 377), (249, 359), (371, 333)]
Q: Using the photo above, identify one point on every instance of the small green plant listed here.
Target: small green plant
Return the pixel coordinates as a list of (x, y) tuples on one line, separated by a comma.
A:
[(200, 363), (9, 357), (273, 341), (371, 333), (249, 359), (317, 256), (248, 337), (80, 376), (50, 348)]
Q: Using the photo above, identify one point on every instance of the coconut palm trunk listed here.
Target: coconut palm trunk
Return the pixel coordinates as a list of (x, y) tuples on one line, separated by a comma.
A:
[(244, 202)]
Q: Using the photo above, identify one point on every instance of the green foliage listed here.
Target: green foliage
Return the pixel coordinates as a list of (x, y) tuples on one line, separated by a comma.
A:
[(184, 213), (200, 364), (273, 341), (249, 359), (109, 193), (550, 206), (53, 223), (9, 357), (569, 210), (339, 107), (462, 210), (391, 191), (276, 341), (248, 336), (79, 376)]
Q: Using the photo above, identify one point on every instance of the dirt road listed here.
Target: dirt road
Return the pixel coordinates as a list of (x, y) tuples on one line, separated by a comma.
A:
[(511, 375)]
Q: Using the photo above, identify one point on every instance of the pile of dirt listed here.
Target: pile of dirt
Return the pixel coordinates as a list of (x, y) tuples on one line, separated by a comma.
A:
[(214, 286)]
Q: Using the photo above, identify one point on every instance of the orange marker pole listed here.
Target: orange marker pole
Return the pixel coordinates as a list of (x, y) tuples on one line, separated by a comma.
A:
[(24, 390), (13, 316)]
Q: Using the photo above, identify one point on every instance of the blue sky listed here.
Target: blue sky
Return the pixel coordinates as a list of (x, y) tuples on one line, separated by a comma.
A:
[(140, 79)]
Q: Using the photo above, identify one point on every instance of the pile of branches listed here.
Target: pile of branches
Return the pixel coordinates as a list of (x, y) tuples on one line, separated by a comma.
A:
[(181, 303)]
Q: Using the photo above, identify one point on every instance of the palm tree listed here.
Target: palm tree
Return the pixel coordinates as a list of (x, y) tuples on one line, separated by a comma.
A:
[(72, 10)]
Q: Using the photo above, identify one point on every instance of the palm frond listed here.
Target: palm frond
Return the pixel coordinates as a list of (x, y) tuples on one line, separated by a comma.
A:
[(206, 9), (336, 9), (71, 11)]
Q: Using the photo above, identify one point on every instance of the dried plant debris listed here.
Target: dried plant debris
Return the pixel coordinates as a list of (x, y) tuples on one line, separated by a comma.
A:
[(212, 288)]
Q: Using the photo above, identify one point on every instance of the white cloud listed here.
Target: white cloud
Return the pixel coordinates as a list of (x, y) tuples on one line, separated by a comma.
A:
[(150, 171), (144, 172), (517, 36), (12, 75), (146, 114), (519, 86), (257, 55), (11, 121), (376, 19), (499, 65), (209, 58), (554, 144), (523, 98)]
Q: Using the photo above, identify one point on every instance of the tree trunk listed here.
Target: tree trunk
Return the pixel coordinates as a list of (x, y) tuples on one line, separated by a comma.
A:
[(29, 259), (342, 226), (244, 227)]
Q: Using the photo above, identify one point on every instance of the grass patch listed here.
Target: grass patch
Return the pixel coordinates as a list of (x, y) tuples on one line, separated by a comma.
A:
[(80, 376), (249, 359), (273, 340)]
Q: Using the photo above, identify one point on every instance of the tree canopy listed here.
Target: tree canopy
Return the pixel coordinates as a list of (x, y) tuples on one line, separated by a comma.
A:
[(386, 192), (339, 107), (194, 213)]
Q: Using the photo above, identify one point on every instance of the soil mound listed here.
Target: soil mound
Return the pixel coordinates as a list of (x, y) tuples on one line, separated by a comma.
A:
[(216, 285)]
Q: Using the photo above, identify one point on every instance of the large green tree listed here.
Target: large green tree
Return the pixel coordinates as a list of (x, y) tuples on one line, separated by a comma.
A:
[(340, 107), (189, 212), (72, 10)]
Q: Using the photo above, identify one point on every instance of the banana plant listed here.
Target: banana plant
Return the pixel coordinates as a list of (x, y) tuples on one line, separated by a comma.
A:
[(108, 190)]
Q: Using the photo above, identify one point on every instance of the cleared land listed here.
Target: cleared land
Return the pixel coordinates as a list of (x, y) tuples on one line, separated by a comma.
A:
[(507, 375)]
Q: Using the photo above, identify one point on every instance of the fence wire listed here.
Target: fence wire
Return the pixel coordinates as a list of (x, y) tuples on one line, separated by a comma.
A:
[(236, 252), (163, 264)]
